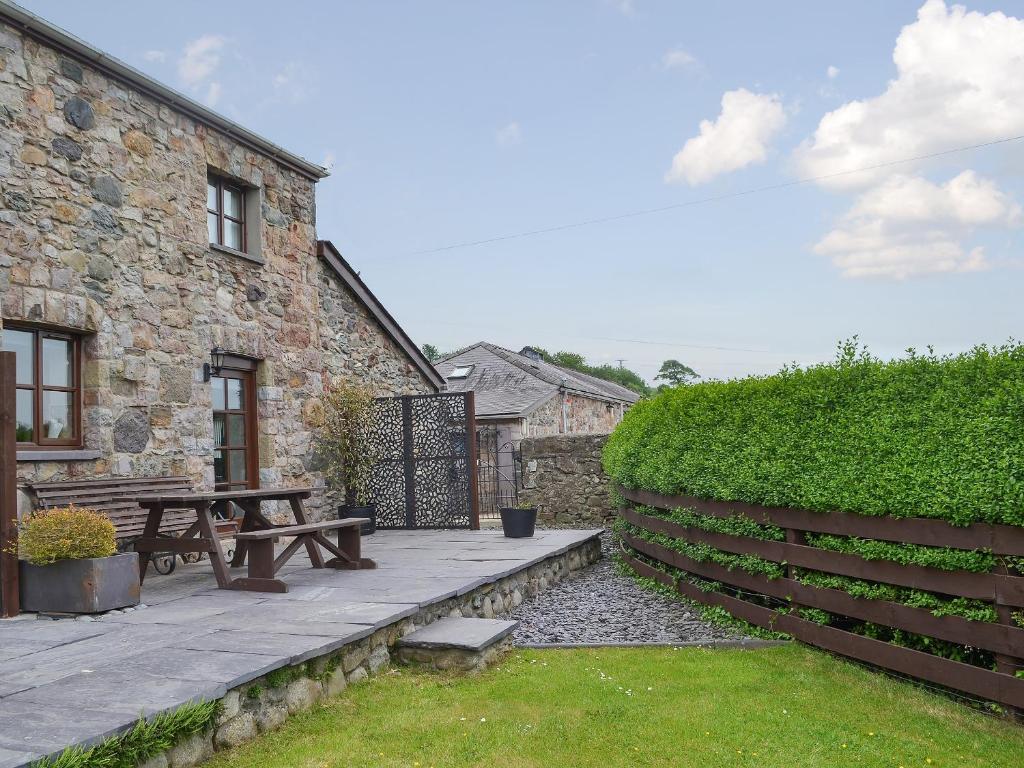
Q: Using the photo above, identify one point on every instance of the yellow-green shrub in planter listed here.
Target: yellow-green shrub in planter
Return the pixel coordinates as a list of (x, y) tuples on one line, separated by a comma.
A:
[(70, 563)]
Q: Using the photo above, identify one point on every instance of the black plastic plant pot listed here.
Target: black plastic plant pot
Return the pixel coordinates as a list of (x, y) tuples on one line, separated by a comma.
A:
[(518, 523), (345, 511), (93, 585)]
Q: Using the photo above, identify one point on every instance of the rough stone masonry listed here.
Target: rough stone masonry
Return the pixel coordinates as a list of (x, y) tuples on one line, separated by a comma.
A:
[(103, 235), (564, 478)]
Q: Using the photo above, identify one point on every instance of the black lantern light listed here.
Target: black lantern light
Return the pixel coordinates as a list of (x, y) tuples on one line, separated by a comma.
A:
[(213, 367)]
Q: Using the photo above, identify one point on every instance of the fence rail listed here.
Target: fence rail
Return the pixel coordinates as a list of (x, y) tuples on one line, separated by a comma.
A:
[(1002, 590)]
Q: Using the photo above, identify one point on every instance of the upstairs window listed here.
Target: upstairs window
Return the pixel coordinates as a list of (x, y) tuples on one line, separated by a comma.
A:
[(48, 399), (460, 372), (225, 213)]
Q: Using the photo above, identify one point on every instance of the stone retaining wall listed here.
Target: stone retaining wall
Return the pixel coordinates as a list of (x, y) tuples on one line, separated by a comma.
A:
[(264, 704), (563, 476)]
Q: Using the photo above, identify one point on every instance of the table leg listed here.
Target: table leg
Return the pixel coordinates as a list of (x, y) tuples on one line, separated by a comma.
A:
[(315, 556), (250, 522), (153, 520), (220, 567)]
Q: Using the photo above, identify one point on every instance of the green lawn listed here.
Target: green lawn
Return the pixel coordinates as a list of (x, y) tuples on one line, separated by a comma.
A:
[(789, 707)]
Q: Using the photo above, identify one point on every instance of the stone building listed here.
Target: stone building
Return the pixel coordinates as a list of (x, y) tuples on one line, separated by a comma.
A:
[(521, 395), (140, 232)]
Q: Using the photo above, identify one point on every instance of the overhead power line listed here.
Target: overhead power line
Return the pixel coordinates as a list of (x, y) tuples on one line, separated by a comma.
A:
[(713, 198)]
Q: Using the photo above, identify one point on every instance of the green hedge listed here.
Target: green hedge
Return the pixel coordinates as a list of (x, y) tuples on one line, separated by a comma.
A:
[(924, 436)]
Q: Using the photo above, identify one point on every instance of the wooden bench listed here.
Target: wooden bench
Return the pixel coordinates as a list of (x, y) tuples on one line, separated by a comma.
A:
[(116, 498), (263, 565)]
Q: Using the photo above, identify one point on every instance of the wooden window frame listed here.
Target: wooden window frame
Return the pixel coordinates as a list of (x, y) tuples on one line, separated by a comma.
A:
[(221, 183), (38, 388), (244, 369)]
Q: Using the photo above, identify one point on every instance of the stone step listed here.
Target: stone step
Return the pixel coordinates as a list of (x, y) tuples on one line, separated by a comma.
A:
[(457, 644)]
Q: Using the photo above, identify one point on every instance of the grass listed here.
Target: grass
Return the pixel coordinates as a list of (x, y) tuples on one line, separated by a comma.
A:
[(788, 706)]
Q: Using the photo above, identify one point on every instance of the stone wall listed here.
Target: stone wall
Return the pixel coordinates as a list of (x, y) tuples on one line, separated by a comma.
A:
[(563, 476), (585, 415), (103, 233)]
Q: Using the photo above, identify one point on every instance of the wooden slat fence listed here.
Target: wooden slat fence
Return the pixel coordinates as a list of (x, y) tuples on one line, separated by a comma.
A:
[(1000, 588)]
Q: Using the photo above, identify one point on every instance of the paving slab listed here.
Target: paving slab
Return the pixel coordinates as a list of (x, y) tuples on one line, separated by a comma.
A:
[(293, 647), (464, 634), (10, 758), (116, 693)]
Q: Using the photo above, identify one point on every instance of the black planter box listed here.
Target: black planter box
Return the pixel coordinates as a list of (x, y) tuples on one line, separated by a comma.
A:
[(345, 511), (518, 523), (93, 585)]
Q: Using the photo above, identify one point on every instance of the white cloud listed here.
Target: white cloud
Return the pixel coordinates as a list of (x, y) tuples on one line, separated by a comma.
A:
[(677, 58), (509, 135), (212, 94), (200, 59), (908, 226), (154, 56), (832, 72), (738, 138), (294, 82), (960, 81)]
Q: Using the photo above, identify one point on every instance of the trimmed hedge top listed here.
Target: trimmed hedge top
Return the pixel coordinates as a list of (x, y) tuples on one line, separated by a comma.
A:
[(921, 436)]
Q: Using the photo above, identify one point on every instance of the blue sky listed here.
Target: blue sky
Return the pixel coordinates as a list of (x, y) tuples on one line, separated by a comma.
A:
[(448, 122)]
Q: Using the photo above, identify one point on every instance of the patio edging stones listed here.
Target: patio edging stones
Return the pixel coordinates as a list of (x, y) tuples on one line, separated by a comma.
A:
[(264, 704)]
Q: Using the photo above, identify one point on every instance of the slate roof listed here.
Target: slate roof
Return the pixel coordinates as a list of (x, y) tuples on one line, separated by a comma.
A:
[(508, 384)]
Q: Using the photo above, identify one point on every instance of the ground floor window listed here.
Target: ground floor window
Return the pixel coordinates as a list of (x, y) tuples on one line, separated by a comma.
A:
[(48, 400), (235, 455)]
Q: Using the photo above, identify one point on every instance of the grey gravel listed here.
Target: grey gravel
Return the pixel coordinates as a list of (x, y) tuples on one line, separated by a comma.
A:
[(599, 605)]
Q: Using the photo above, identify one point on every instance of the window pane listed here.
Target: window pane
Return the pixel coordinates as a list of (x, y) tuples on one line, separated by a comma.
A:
[(22, 344), (25, 416), (57, 416), (236, 429), (211, 228), (232, 203), (211, 195), (218, 429), (58, 362), (236, 400), (217, 393), (232, 234), (237, 466), (218, 467)]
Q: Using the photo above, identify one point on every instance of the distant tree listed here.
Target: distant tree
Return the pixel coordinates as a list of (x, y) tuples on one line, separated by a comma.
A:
[(676, 373), (624, 377), (430, 352)]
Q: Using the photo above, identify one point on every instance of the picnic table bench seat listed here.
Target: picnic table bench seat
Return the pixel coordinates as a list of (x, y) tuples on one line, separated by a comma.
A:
[(263, 565), (116, 498)]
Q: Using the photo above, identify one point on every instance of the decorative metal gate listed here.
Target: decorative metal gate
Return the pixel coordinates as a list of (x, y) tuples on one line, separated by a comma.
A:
[(425, 475), (499, 470)]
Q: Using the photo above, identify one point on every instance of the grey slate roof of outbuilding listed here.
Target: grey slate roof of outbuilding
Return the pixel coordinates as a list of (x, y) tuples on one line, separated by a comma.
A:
[(509, 384)]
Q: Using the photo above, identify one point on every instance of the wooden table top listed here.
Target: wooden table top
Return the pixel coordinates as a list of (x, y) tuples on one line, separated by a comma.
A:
[(194, 497)]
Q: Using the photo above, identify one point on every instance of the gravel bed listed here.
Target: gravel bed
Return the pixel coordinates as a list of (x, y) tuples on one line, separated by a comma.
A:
[(599, 605)]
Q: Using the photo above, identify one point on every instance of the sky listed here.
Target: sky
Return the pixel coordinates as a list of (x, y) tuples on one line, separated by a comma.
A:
[(747, 127)]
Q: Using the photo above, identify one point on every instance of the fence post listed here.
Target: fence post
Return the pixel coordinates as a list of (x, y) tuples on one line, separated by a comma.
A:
[(10, 603), (1008, 665), (474, 490), (408, 462)]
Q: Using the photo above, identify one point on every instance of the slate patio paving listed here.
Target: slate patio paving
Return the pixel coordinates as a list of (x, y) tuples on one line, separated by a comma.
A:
[(70, 682)]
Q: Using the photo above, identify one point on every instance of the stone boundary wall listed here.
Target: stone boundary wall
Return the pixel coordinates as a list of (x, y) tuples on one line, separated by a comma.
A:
[(564, 478), (263, 704)]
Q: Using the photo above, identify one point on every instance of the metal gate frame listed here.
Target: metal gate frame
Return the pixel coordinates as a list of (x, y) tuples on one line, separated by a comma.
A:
[(409, 437), (10, 604)]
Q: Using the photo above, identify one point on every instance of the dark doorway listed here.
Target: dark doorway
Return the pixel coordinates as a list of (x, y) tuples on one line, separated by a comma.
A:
[(235, 439)]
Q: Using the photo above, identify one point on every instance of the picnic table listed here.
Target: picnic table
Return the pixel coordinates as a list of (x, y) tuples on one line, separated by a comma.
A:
[(256, 533)]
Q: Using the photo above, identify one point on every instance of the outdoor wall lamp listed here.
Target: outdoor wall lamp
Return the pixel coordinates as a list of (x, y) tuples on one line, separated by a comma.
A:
[(213, 367)]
